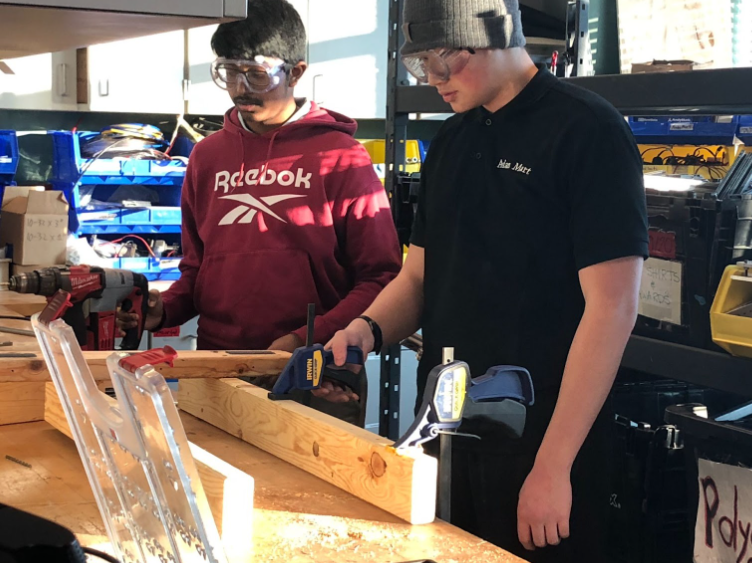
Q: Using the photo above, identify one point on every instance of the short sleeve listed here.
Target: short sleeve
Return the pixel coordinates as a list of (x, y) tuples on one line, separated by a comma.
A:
[(418, 234), (606, 195)]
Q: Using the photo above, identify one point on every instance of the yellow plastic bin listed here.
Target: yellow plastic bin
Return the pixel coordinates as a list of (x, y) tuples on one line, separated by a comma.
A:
[(731, 313), (719, 159), (377, 150)]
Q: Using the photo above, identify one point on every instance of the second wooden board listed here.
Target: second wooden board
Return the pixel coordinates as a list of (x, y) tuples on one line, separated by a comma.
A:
[(190, 363), (349, 457)]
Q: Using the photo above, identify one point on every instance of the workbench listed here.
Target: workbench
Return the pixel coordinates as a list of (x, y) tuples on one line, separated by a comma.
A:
[(298, 517)]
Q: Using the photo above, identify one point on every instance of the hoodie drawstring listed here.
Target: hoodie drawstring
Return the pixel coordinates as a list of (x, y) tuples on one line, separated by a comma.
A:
[(268, 155), (262, 172), (241, 171)]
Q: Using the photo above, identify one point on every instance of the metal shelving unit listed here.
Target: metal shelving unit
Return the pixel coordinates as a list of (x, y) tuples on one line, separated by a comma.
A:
[(396, 134), (706, 92), (717, 370)]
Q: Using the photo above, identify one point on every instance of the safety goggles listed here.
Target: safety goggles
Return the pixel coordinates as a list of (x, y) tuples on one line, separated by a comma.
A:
[(259, 75), (440, 63)]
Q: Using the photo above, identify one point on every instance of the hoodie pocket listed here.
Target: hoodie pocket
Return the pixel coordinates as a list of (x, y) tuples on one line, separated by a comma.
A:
[(250, 299)]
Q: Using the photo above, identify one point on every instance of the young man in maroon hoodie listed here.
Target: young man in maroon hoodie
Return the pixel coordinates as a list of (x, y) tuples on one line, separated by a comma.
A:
[(281, 208)]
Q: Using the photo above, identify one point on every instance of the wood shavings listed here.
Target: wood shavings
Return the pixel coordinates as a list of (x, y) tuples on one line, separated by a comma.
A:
[(307, 538)]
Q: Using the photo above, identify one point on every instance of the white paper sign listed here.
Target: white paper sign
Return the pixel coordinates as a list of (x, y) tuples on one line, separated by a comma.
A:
[(660, 290), (723, 532)]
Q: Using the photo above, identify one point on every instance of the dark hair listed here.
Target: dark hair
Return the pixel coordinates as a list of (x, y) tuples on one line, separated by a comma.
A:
[(273, 28)]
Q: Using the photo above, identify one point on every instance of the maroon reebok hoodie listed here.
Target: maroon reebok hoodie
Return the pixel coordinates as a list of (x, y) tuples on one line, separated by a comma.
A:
[(276, 221)]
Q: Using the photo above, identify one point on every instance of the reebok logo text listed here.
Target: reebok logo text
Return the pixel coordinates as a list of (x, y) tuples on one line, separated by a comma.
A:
[(225, 180)]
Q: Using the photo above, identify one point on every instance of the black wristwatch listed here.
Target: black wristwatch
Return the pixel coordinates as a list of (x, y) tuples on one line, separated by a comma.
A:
[(376, 331)]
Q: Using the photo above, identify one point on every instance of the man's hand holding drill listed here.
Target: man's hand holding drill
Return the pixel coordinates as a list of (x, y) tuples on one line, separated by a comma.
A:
[(154, 314)]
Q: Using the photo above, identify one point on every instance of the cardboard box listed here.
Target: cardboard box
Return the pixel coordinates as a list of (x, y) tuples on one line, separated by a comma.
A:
[(663, 66), (4, 273), (35, 223), (701, 31)]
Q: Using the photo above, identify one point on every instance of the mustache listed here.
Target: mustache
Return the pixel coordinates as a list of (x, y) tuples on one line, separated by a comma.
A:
[(248, 101)]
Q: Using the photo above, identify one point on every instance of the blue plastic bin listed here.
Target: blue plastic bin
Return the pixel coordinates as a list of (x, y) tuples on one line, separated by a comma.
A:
[(8, 156), (8, 159), (69, 166), (684, 130), (745, 129), (105, 175), (154, 269)]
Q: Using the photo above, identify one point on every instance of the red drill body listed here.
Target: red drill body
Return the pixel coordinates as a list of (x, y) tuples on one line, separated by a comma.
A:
[(96, 293)]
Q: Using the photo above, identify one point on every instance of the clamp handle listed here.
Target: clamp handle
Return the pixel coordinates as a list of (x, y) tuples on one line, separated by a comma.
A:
[(503, 382), (354, 356), (344, 376)]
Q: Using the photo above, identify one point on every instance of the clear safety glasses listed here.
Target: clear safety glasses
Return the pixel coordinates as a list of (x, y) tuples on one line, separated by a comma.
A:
[(439, 63), (259, 75)]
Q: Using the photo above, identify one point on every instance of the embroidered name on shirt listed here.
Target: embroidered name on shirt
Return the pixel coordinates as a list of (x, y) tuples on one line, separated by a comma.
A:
[(506, 165)]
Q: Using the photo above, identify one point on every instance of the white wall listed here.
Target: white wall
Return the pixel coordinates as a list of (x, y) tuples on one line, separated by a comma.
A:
[(347, 55), (45, 81)]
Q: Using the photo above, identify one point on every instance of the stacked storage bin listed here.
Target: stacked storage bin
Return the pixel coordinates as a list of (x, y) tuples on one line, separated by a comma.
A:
[(684, 130), (649, 517), (8, 159), (99, 178), (695, 145), (8, 166), (703, 232), (744, 133), (717, 452), (684, 228)]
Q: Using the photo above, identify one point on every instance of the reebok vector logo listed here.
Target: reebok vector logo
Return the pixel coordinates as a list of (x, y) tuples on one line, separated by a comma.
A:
[(250, 206)]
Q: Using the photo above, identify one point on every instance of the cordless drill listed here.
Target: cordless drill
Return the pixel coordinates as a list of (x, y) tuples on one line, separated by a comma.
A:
[(95, 294)]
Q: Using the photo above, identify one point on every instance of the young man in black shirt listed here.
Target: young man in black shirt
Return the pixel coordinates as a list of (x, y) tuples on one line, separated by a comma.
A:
[(527, 250)]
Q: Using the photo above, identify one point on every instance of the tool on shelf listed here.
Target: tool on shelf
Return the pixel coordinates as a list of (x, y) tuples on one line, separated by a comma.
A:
[(95, 295), (311, 364), (133, 447)]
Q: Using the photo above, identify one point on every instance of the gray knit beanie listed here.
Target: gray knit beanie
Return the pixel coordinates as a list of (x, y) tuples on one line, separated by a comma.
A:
[(457, 24)]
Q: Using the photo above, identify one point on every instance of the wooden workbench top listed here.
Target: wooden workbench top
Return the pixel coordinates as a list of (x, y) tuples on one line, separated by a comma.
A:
[(297, 518), (14, 304)]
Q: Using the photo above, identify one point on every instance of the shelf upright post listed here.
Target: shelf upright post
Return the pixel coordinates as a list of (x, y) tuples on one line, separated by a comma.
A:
[(396, 136)]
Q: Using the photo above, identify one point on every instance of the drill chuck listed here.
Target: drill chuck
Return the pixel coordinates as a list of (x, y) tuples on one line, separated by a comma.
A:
[(24, 283), (39, 282)]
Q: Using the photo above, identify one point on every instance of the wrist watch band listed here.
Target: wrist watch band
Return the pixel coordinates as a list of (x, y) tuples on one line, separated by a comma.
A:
[(376, 331)]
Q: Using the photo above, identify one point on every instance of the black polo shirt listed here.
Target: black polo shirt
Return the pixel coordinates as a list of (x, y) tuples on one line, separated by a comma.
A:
[(512, 205)]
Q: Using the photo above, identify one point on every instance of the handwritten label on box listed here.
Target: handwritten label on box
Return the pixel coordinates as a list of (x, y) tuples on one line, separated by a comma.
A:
[(662, 244), (661, 290), (724, 514)]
